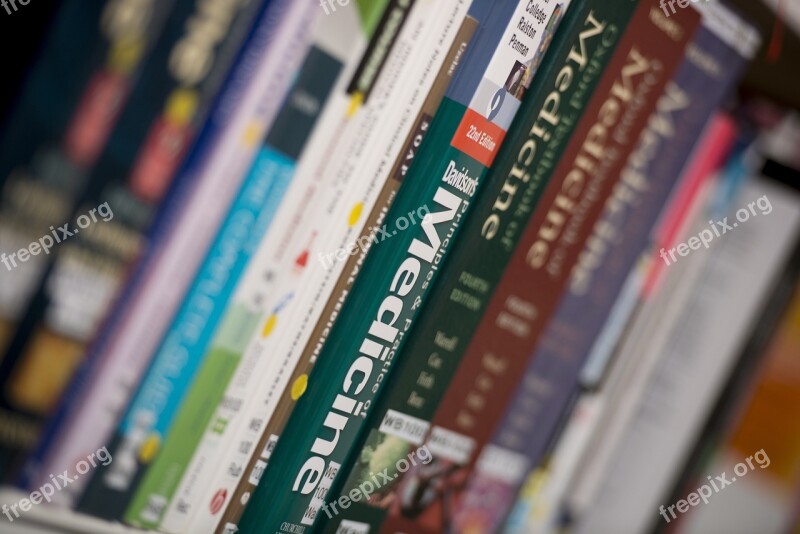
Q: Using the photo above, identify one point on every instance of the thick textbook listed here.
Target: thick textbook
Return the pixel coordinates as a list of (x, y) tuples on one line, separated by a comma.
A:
[(355, 163), (373, 139), (117, 358), (532, 284), (709, 69), (400, 420), (537, 506), (374, 222), (445, 175)]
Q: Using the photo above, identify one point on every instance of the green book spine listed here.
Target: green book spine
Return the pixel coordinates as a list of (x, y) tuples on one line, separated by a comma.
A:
[(398, 274), (401, 419)]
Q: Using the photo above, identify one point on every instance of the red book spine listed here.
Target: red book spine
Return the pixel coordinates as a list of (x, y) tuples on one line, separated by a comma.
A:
[(528, 294)]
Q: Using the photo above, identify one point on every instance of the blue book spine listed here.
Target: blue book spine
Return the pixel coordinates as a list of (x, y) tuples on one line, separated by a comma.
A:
[(171, 372)]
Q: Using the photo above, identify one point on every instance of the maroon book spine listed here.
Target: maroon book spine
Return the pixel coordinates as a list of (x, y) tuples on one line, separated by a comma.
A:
[(589, 172)]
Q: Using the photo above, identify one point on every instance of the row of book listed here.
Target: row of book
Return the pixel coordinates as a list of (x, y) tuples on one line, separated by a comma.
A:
[(401, 266)]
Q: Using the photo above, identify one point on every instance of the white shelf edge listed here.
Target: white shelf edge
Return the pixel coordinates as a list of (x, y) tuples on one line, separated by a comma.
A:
[(57, 518)]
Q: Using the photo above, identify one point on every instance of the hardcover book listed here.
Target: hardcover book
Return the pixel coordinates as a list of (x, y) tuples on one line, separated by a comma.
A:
[(532, 285), (373, 224), (571, 69), (539, 507), (375, 324), (213, 469), (709, 70)]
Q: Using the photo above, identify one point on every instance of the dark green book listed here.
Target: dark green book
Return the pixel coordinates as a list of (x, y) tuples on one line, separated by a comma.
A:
[(400, 421), (398, 274)]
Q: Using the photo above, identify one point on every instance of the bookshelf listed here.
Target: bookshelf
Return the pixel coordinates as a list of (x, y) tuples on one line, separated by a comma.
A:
[(49, 519)]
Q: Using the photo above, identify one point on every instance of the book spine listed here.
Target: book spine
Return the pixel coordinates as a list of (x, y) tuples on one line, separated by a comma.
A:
[(41, 170), (550, 482), (641, 349), (151, 411), (115, 363), (401, 275), (256, 291), (618, 384), (420, 51), (721, 137), (108, 89), (707, 73), (583, 43), (376, 126), (169, 104), (587, 174), (708, 156), (349, 272), (680, 393)]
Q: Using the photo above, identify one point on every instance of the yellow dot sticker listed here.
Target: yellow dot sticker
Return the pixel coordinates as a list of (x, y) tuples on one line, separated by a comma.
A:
[(181, 106), (252, 134), (355, 103), (299, 386), (355, 214), (149, 448), (269, 326)]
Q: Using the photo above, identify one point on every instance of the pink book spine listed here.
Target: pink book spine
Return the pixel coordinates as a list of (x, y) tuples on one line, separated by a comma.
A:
[(708, 157)]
